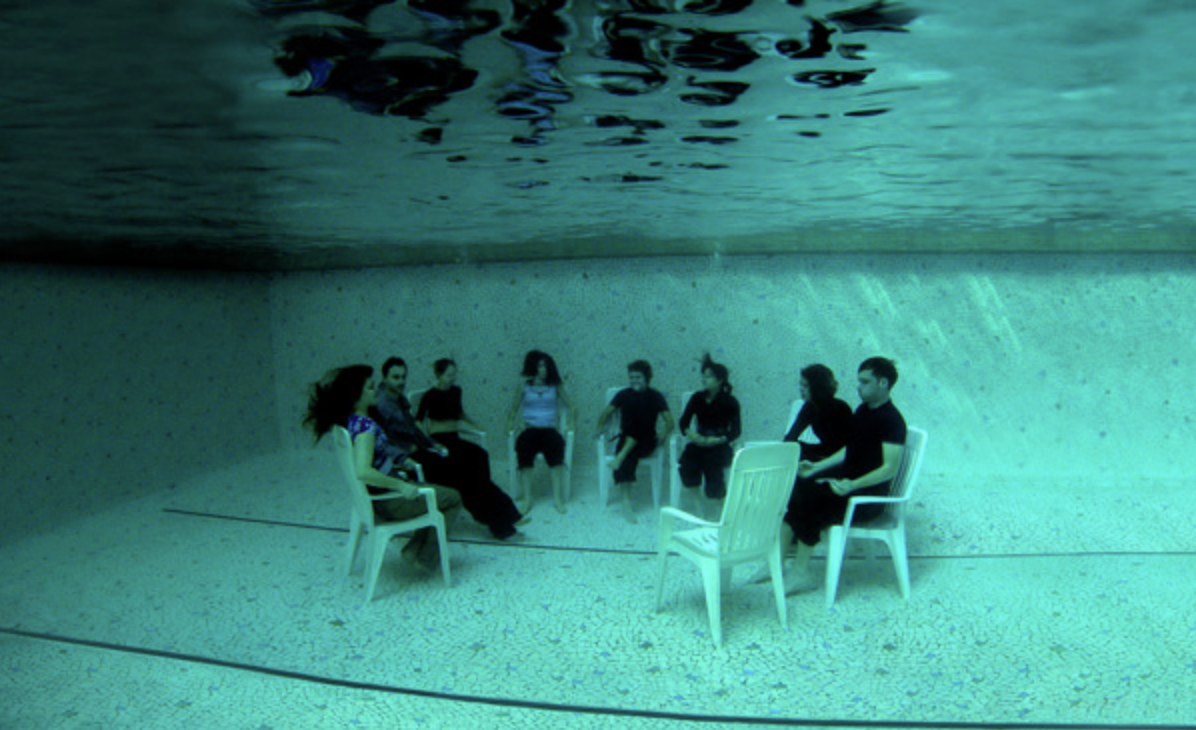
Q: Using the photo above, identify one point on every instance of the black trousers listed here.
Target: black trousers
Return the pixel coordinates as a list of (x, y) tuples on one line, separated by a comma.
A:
[(814, 506), (706, 462), (467, 469)]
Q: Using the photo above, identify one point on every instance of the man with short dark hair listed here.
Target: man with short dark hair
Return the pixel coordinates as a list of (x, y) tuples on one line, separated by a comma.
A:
[(486, 503), (865, 466), (640, 407)]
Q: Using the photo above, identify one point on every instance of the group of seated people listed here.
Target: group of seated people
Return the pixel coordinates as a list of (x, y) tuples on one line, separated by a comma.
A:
[(843, 452)]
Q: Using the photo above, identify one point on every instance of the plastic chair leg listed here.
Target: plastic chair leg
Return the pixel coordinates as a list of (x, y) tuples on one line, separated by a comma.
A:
[(712, 577), (836, 544), (442, 539), (778, 586), (655, 469), (378, 550), (354, 543), (662, 565), (896, 544)]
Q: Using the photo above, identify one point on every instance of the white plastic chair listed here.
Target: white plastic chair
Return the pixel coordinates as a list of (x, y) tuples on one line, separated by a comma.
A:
[(606, 444), (677, 444), (469, 434), (513, 463), (748, 531), (362, 523), (888, 527)]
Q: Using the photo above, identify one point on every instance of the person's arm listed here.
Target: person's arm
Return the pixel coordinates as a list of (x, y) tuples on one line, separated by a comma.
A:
[(735, 429), (603, 417), (883, 473), (666, 416), (687, 417), (363, 458), (799, 424), (810, 468)]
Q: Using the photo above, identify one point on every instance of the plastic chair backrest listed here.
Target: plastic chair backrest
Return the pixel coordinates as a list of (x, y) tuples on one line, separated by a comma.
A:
[(907, 471), (343, 445), (757, 496), (793, 411), (612, 426)]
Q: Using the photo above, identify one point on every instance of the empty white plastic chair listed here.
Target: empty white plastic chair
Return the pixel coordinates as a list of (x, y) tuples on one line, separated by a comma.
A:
[(377, 535), (606, 444), (888, 527), (748, 531)]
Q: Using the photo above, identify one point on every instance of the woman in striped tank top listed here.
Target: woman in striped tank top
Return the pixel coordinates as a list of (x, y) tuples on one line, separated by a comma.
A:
[(540, 402)]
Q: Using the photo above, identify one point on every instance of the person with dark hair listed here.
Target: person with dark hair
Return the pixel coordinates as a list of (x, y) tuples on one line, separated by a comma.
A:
[(710, 422), (443, 463), (537, 411), (821, 428), (824, 421), (343, 397), (640, 408), (865, 465), (441, 412)]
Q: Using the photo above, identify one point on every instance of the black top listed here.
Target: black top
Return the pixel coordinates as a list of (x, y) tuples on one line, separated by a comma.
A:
[(831, 423), (870, 428), (441, 405), (638, 411), (719, 417)]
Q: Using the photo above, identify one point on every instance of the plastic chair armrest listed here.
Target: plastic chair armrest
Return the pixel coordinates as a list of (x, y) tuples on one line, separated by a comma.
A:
[(685, 516), (385, 495)]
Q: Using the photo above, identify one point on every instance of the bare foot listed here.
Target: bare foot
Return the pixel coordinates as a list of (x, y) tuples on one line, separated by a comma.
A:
[(560, 507), (629, 513), (524, 520), (524, 506), (799, 581)]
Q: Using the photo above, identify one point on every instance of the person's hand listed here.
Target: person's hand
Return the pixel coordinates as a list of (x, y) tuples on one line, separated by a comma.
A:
[(805, 468), (841, 487)]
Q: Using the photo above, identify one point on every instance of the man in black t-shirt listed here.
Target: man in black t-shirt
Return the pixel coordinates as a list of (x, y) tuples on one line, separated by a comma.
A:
[(640, 407), (865, 466)]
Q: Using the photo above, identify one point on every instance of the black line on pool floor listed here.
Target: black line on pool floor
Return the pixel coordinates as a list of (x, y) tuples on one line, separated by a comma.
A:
[(617, 551), (583, 709)]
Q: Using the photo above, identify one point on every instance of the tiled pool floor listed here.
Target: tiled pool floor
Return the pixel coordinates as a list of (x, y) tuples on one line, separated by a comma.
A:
[(221, 603)]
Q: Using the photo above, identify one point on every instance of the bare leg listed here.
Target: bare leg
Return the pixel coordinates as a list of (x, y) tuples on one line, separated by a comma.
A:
[(628, 444), (628, 509), (523, 501), (797, 575), (761, 575), (558, 484)]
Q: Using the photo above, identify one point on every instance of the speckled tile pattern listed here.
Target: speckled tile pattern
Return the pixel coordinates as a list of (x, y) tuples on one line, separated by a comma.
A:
[(1022, 624), (113, 379), (161, 503)]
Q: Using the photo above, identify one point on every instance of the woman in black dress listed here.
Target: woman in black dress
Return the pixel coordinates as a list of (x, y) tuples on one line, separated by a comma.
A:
[(442, 415)]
